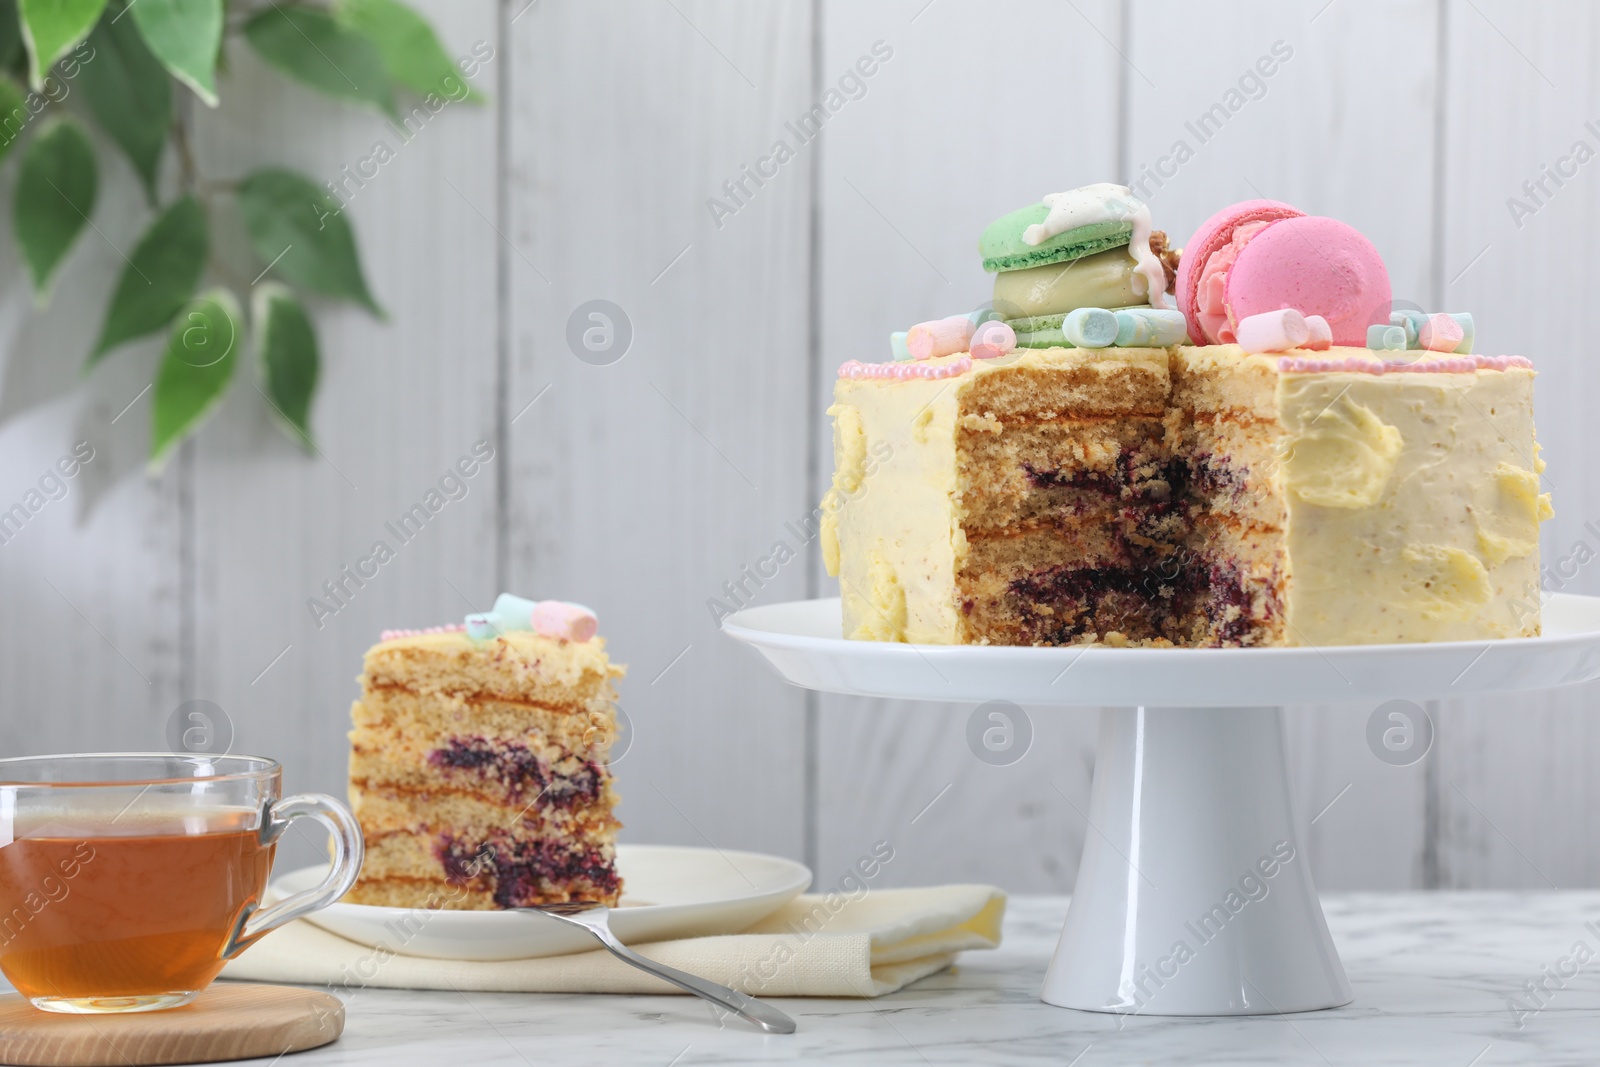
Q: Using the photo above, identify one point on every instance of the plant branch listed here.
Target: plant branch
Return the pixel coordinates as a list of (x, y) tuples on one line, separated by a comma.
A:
[(233, 277), (190, 174)]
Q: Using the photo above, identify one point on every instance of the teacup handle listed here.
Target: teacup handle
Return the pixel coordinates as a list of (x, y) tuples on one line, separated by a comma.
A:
[(348, 852)]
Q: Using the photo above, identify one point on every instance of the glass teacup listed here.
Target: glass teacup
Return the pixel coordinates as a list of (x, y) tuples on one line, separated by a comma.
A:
[(128, 880)]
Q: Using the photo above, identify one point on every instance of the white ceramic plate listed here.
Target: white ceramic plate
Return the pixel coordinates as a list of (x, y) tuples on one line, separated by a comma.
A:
[(802, 640), (668, 892)]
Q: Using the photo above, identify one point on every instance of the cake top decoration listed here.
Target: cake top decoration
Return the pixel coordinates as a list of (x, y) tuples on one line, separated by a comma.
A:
[(548, 618), (1072, 226), (1454, 365), (1262, 255), (856, 369), (447, 628)]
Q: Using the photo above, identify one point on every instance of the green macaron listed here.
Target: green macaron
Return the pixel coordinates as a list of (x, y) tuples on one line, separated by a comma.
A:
[(1039, 331), (1003, 248)]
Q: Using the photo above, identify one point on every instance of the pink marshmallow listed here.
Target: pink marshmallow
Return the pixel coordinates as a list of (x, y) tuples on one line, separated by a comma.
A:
[(557, 618), (1321, 338), (1440, 333), (1273, 331), (941, 337), (992, 340)]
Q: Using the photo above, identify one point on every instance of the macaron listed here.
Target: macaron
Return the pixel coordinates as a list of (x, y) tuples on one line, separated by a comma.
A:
[(1318, 266), (1108, 279), (1216, 235), (1003, 248), (1039, 331)]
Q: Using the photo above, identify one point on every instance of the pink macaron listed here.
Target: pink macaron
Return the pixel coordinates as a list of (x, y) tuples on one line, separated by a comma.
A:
[(1318, 266), (1213, 244)]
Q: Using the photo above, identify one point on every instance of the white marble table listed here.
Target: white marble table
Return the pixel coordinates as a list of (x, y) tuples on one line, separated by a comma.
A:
[(1432, 974)]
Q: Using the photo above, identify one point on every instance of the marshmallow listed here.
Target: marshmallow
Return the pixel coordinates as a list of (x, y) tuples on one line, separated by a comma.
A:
[(1321, 338), (897, 345), (1440, 333), (941, 337), (482, 626), (1150, 328), (1090, 327), (513, 612), (992, 340), (1273, 331), (1409, 321), (557, 618), (1381, 338)]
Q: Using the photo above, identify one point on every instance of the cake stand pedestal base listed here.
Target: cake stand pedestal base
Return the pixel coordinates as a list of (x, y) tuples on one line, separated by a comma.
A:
[(1194, 896)]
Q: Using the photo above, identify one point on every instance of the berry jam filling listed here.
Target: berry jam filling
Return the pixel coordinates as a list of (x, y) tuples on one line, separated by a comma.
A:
[(1059, 604), (522, 772), (521, 871), (1169, 586), (1133, 475), (1154, 596)]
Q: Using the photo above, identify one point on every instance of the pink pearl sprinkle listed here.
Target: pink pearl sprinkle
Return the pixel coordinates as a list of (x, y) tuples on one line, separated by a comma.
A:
[(1458, 365), (905, 371), (448, 628)]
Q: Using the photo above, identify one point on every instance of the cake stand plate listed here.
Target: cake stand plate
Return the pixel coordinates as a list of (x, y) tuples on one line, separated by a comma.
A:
[(1193, 896)]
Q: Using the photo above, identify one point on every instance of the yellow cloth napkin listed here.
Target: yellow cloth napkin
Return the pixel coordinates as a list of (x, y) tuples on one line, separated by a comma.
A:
[(814, 946)]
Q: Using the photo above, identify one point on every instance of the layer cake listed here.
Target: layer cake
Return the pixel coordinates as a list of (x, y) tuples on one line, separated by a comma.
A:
[(479, 768), (1027, 488)]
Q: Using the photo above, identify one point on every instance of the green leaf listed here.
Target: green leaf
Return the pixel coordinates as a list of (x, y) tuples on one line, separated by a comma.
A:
[(54, 198), (14, 115), (10, 34), (159, 279), (185, 35), (51, 28), (412, 54), (131, 96), (296, 229), (195, 370), (311, 46), (286, 345)]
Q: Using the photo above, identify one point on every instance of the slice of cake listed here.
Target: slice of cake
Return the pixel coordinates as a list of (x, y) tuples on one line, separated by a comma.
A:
[(479, 763), (1040, 481)]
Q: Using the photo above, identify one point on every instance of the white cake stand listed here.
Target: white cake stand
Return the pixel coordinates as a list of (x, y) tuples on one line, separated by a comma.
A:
[(1194, 896)]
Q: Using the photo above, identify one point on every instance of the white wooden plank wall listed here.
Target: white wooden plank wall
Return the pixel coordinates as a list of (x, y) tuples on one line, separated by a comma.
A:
[(642, 485), (1516, 803)]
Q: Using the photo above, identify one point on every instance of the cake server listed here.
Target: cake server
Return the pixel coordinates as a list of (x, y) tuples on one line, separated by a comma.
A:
[(596, 919)]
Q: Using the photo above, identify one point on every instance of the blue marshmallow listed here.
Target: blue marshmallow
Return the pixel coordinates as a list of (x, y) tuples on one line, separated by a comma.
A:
[(1090, 327), (1409, 321), (1381, 338), (513, 612), (1150, 327)]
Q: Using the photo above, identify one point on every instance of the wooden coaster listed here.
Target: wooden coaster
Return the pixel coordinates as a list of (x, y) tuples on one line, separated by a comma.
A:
[(228, 1021)]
